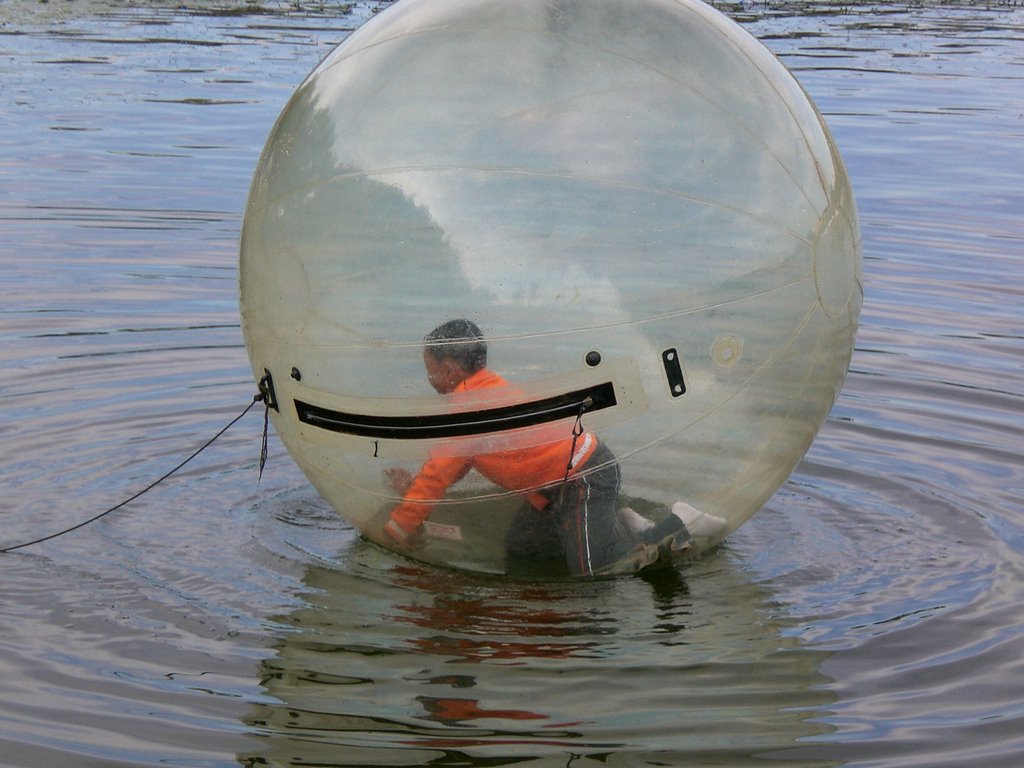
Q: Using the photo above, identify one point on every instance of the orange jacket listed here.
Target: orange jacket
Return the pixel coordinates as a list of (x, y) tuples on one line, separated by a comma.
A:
[(526, 469)]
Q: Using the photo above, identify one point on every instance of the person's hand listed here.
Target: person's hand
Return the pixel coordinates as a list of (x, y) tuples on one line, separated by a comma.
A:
[(402, 540), (399, 479), (383, 530)]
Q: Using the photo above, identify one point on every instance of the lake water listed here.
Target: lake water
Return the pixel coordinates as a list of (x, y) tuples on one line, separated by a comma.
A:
[(870, 615)]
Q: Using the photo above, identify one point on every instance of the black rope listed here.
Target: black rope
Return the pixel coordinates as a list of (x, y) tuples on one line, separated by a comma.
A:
[(266, 429), (256, 399), (577, 432)]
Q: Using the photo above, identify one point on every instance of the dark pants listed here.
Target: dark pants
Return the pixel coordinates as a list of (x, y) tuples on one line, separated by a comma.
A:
[(578, 526)]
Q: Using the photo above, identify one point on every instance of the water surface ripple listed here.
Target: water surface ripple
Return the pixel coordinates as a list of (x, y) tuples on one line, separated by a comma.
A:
[(869, 615)]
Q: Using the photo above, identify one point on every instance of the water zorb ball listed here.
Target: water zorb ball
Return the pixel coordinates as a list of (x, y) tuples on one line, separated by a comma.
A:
[(633, 199)]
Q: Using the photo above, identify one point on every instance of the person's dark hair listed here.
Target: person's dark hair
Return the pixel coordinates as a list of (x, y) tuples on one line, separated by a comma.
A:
[(459, 340)]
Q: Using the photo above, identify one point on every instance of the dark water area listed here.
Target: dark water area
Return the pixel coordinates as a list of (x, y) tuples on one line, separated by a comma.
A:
[(869, 615)]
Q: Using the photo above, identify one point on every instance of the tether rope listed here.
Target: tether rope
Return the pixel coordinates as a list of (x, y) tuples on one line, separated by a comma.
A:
[(259, 397)]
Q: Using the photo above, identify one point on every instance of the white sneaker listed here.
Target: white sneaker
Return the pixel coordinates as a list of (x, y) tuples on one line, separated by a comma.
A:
[(701, 525), (634, 522)]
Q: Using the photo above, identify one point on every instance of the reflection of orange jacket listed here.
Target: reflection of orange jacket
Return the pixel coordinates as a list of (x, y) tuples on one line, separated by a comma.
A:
[(457, 710), (527, 468)]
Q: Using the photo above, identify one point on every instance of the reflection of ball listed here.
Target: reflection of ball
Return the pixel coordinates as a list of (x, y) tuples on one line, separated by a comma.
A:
[(634, 194)]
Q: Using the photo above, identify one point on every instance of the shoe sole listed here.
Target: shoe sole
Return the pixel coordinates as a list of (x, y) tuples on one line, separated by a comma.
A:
[(647, 556)]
